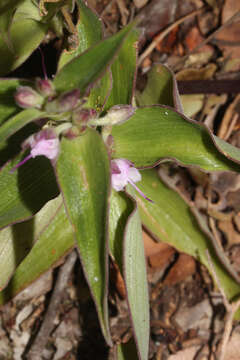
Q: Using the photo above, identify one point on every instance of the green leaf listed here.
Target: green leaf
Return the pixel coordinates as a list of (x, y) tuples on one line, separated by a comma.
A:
[(99, 94), (92, 64), (89, 32), (25, 191), (25, 33), (53, 243), (161, 88), (127, 351), (158, 133), (135, 276), (15, 123), (9, 4), (129, 255), (8, 107), (17, 241), (124, 72), (83, 175), (170, 220), (120, 209)]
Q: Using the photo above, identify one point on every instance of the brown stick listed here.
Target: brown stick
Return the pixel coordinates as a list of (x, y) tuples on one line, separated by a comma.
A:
[(41, 340), (164, 33)]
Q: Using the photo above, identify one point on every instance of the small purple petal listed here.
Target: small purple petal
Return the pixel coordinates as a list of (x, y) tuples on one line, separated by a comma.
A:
[(140, 192), (21, 163)]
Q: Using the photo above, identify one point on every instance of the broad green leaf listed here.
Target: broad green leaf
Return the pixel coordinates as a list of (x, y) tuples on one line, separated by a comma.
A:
[(89, 29), (161, 88), (92, 64), (124, 72), (25, 37), (135, 276), (127, 351), (8, 107), (170, 220), (53, 243), (83, 174), (24, 191), (159, 133), (17, 241), (15, 123)]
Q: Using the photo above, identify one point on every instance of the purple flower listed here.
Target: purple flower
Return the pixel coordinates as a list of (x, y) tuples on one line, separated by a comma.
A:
[(124, 172), (45, 143)]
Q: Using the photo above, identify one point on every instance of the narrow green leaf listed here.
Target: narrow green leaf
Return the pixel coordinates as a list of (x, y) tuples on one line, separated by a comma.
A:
[(25, 191), (161, 88), (89, 32), (156, 133), (124, 72), (17, 241), (53, 243), (170, 220), (83, 175), (127, 351), (120, 209), (25, 37), (15, 123), (135, 277), (92, 64)]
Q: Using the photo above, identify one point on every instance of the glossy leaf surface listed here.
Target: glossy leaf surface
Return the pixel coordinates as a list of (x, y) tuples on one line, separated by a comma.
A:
[(53, 242), (157, 133), (135, 276), (83, 175), (161, 88), (91, 65), (17, 241), (170, 220), (124, 72), (24, 191)]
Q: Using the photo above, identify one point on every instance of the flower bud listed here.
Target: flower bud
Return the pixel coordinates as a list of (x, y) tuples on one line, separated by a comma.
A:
[(69, 100), (119, 114), (26, 97), (45, 87), (65, 102), (82, 116)]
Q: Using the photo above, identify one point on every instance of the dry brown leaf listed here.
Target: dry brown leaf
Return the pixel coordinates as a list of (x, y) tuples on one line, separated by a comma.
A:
[(184, 267)]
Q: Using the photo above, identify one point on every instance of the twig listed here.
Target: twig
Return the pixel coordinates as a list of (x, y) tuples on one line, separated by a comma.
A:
[(41, 340), (165, 32), (230, 311), (209, 38)]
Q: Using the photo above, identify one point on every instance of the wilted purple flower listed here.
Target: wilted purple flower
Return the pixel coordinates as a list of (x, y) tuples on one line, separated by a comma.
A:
[(26, 97), (124, 172), (45, 143)]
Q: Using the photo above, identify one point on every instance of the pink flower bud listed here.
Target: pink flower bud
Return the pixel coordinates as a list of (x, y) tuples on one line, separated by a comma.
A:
[(69, 100), (26, 97), (45, 87), (82, 116)]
